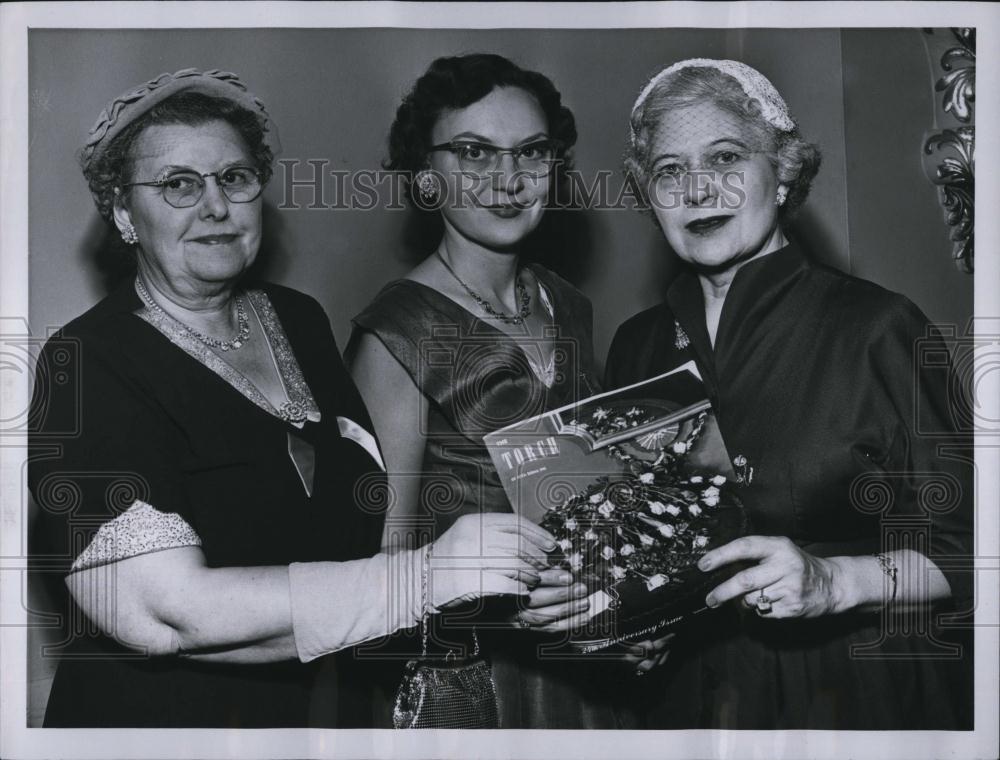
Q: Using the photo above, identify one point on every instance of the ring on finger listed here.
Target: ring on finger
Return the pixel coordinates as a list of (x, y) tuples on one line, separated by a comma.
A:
[(763, 604), (522, 622)]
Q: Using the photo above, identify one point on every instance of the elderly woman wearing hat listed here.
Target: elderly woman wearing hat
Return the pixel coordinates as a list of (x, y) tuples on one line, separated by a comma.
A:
[(813, 378), (216, 504)]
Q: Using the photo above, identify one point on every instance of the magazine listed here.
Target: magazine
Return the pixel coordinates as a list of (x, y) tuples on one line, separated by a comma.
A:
[(636, 484)]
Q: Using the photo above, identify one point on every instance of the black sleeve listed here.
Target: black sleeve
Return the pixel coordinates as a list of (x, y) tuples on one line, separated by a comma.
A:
[(98, 443), (637, 351), (930, 460), (615, 367)]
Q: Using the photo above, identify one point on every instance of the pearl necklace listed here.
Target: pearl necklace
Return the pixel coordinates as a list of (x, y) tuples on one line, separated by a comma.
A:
[(233, 343)]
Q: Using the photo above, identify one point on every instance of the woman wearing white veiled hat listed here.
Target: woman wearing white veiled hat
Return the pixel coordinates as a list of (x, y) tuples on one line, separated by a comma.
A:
[(862, 529)]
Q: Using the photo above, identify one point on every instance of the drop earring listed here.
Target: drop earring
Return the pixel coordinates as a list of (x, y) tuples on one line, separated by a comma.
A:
[(782, 195), (128, 234)]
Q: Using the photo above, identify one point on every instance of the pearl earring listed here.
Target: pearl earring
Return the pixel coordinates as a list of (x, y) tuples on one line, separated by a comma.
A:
[(782, 195)]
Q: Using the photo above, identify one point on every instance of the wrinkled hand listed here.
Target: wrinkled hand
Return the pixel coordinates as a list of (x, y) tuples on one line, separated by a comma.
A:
[(555, 604), (487, 554), (796, 583), (648, 654)]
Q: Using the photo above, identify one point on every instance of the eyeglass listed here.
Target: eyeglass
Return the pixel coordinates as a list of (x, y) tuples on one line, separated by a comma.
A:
[(183, 189), (480, 159), (722, 161)]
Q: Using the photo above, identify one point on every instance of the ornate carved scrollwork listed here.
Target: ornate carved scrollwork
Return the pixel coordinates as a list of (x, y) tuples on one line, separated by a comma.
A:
[(955, 172)]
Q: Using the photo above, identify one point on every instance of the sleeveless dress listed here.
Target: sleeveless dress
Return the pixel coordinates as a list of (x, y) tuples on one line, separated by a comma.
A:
[(478, 379)]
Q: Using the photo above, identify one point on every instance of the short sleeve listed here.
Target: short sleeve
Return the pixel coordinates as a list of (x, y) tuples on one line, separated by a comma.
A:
[(102, 458), (930, 460)]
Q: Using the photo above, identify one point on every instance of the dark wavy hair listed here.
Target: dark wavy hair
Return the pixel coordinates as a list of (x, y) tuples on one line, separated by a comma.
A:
[(795, 161), (114, 167), (460, 81)]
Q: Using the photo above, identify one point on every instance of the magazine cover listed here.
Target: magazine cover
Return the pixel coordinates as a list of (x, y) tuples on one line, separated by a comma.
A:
[(636, 486)]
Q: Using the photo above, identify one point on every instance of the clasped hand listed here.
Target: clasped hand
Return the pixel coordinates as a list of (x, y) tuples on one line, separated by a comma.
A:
[(495, 554)]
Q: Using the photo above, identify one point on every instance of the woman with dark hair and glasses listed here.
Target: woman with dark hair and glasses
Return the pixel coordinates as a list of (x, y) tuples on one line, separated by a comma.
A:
[(210, 488), (473, 339)]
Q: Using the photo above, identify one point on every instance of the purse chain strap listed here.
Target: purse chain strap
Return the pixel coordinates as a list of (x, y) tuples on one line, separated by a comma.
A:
[(425, 617)]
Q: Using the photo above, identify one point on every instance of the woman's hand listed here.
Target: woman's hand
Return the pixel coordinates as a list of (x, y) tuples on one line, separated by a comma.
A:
[(487, 554), (648, 654), (555, 604), (794, 582)]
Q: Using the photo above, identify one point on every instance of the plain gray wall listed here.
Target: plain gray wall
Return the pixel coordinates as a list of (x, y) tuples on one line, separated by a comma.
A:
[(864, 96), (333, 94)]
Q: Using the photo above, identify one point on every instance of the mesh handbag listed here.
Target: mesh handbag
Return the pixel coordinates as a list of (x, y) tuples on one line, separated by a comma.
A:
[(446, 692)]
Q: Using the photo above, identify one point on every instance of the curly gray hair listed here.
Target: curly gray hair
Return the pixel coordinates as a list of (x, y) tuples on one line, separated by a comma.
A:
[(794, 160)]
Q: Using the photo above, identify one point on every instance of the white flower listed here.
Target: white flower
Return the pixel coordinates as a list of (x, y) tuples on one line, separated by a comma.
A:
[(571, 524), (600, 414), (719, 480), (657, 507), (667, 531), (633, 411), (606, 508), (680, 447), (627, 549), (645, 540), (596, 498), (617, 572), (673, 509), (656, 581), (646, 477), (711, 492), (701, 541), (710, 501), (696, 479), (607, 552), (575, 560), (694, 509), (590, 535), (565, 544)]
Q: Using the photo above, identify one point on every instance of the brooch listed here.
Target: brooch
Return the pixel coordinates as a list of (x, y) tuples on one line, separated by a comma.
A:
[(681, 339)]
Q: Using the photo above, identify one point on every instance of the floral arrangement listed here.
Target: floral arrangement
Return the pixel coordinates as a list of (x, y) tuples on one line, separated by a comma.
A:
[(652, 523)]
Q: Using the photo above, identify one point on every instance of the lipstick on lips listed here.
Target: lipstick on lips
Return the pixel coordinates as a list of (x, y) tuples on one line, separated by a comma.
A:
[(509, 210), (707, 224), (221, 239), (505, 212)]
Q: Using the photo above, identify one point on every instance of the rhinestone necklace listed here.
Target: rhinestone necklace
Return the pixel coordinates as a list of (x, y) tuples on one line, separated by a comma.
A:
[(232, 344), (512, 319)]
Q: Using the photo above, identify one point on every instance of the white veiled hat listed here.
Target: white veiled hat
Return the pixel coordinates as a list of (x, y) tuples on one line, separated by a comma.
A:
[(773, 108)]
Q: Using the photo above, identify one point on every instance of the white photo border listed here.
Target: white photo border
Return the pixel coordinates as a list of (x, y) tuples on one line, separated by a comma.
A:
[(18, 741)]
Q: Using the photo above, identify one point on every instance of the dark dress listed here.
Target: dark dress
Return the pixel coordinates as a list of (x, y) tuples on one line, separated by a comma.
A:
[(477, 379), (814, 380), (121, 413)]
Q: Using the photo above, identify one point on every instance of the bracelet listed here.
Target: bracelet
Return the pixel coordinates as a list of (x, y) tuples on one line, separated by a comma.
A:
[(425, 602), (888, 565)]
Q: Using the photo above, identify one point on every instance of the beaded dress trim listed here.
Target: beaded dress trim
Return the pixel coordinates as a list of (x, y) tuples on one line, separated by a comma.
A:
[(288, 368), (140, 529)]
